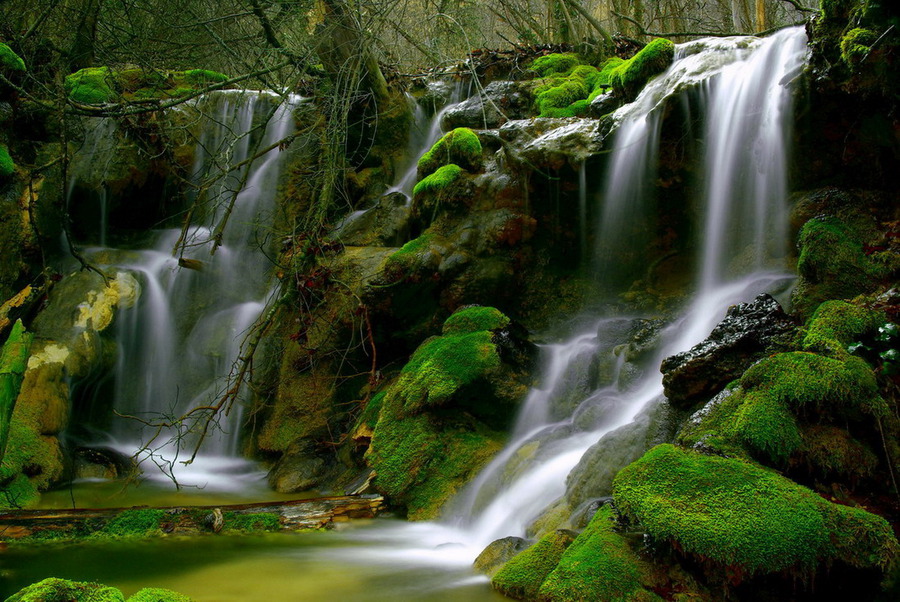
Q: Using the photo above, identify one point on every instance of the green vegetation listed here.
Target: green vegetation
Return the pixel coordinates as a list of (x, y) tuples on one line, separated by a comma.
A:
[(440, 182), (158, 594), (138, 522), (7, 165), (473, 319), (568, 86), (63, 590), (856, 45), (555, 64), (93, 85), (9, 60), (599, 565), (203, 77), (261, 521), (522, 577), (744, 517), (628, 77), (837, 324), (460, 146)]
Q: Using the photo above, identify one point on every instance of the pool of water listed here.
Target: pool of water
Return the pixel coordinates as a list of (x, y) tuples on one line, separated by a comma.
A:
[(368, 561)]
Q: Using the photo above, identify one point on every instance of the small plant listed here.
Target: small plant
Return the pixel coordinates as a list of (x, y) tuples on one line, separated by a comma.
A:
[(882, 350)]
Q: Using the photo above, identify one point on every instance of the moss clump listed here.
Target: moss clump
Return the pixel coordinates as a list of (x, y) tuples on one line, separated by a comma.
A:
[(856, 45), (570, 95), (743, 517), (7, 165), (557, 63), (204, 77), (460, 146), (139, 522), (63, 590), (473, 319), (440, 182), (400, 263), (837, 324), (630, 76), (261, 521), (830, 450), (93, 85), (9, 60), (522, 577), (158, 594), (599, 565), (832, 265)]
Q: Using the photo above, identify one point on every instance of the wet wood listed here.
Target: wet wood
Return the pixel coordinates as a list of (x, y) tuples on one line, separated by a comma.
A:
[(297, 515)]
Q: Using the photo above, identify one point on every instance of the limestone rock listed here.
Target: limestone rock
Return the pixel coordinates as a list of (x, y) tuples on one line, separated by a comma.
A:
[(499, 102)]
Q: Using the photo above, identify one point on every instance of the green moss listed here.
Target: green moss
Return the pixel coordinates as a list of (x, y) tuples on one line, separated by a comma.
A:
[(829, 450), (856, 45), (460, 146), (558, 63), (832, 265), (261, 521), (522, 577), (9, 60), (400, 263), (63, 590), (599, 565), (743, 517), (473, 319), (7, 165), (20, 492), (440, 182), (158, 594), (93, 85), (630, 76), (204, 77), (837, 324), (138, 522)]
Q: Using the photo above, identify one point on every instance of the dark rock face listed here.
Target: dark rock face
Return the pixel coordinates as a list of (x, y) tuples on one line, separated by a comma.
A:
[(748, 331), (299, 469), (499, 102)]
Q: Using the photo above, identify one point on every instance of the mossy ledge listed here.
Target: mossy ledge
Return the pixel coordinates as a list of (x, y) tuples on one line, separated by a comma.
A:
[(744, 518)]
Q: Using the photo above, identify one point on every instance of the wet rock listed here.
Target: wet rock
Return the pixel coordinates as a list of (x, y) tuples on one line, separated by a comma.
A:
[(748, 331), (101, 463), (386, 224), (552, 143), (604, 104), (497, 553), (362, 484), (498, 103), (299, 469)]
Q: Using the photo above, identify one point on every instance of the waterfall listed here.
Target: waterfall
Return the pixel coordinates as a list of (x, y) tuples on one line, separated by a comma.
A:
[(178, 344)]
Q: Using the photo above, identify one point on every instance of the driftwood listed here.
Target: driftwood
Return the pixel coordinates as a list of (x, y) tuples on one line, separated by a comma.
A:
[(298, 515)]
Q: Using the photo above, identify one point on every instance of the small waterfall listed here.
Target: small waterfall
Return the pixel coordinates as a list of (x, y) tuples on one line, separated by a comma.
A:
[(178, 344)]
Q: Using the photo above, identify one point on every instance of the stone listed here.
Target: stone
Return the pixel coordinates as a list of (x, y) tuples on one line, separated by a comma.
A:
[(498, 103), (604, 104), (299, 469), (747, 333), (101, 463), (546, 142), (497, 553)]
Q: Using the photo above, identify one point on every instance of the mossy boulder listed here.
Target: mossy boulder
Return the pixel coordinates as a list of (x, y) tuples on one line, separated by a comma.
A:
[(7, 165), (836, 324), (442, 419), (569, 92), (92, 85), (158, 594), (598, 565), (521, 578), (856, 45), (629, 77), (63, 590), (9, 60), (460, 147), (445, 189), (744, 518)]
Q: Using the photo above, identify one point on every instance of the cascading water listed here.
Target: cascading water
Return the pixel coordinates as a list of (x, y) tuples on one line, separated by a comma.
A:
[(566, 415), (178, 344)]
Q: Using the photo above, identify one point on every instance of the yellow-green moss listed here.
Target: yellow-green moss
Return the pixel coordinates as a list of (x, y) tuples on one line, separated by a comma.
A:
[(521, 578), (158, 594), (837, 324), (439, 182), (569, 95), (93, 85), (473, 319), (139, 522), (63, 590), (9, 60), (260, 521), (599, 565), (460, 146), (557, 63), (204, 77), (856, 45), (7, 165), (744, 517), (630, 76)]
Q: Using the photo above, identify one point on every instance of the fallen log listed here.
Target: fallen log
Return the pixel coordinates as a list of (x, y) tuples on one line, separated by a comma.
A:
[(98, 523)]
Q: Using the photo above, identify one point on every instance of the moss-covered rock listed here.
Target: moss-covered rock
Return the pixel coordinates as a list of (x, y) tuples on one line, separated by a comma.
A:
[(628, 77), (474, 319), (63, 590), (836, 324), (521, 578), (460, 147), (747, 519), (598, 565), (92, 85), (856, 45), (7, 165), (556, 63), (9, 60), (445, 189), (97, 85), (158, 594)]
